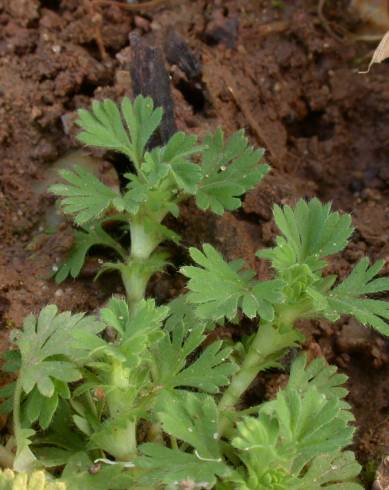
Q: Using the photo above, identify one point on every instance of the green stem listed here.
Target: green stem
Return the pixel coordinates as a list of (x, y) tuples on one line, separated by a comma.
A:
[(136, 272), (266, 348), (243, 378), (17, 399), (135, 275), (121, 442), (135, 284), (142, 242)]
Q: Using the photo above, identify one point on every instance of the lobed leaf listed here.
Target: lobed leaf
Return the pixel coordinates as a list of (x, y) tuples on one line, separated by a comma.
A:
[(229, 170), (310, 232), (84, 240), (48, 351), (135, 332), (84, 196), (183, 335), (219, 289), (127, 130), (192, 418), (350, 296), (172, 467), (77, 475), (296, 440), (318, 373), (174, 159)]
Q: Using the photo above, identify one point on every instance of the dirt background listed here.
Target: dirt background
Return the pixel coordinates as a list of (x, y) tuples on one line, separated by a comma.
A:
[(272, 67)]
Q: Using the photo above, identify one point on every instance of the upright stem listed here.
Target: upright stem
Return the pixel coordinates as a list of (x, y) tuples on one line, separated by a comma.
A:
[(243, 378), (267, 346), (121, 443), (135, 284), (135, 274), (142, 243), (16, 409)]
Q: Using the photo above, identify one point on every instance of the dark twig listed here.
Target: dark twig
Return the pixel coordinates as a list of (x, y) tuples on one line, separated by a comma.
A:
[(134, 7)]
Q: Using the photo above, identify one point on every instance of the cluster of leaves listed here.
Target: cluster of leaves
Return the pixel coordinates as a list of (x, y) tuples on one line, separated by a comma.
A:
[(153, 373), (162, 177), (294, 441), (143, 378), (310, 232), (139, 397), (119, 383)]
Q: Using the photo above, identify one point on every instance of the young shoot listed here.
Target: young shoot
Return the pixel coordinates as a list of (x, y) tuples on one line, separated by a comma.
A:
[(161, 178), (157, 405)]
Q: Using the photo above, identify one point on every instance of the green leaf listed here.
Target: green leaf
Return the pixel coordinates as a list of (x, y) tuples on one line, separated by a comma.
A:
[(349, 297), (312, 423), (77, 475), (295, 442), (176, 156), (52, 457), (142, 120), (318, 373), (84, 196), (208, 372), (183, 317), (103, 127), (25, 460), (192, 418), (229, 170), (173, 160), (334, 471), (39, 407), (149, 195), (183, 335), (122, 368), (310, 231), (60, 434), (84, 240), (48, 350), (116, 314), (126, 130), (219, 288), (146, 319), (172, 467)]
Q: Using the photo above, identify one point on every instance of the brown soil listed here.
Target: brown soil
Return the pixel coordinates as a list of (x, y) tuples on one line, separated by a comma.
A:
[(275, 71)]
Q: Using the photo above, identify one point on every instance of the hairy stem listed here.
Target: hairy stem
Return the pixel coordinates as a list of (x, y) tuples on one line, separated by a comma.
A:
[(136, 273), (135, 285), (142, 242), (243, 378), (268, 345), (121, 442)]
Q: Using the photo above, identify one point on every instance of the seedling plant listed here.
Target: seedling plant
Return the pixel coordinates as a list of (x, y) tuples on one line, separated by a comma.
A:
[(136, 397)]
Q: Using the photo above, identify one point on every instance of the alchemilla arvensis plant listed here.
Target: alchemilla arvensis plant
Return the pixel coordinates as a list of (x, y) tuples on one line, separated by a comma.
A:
[(151, 405)]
